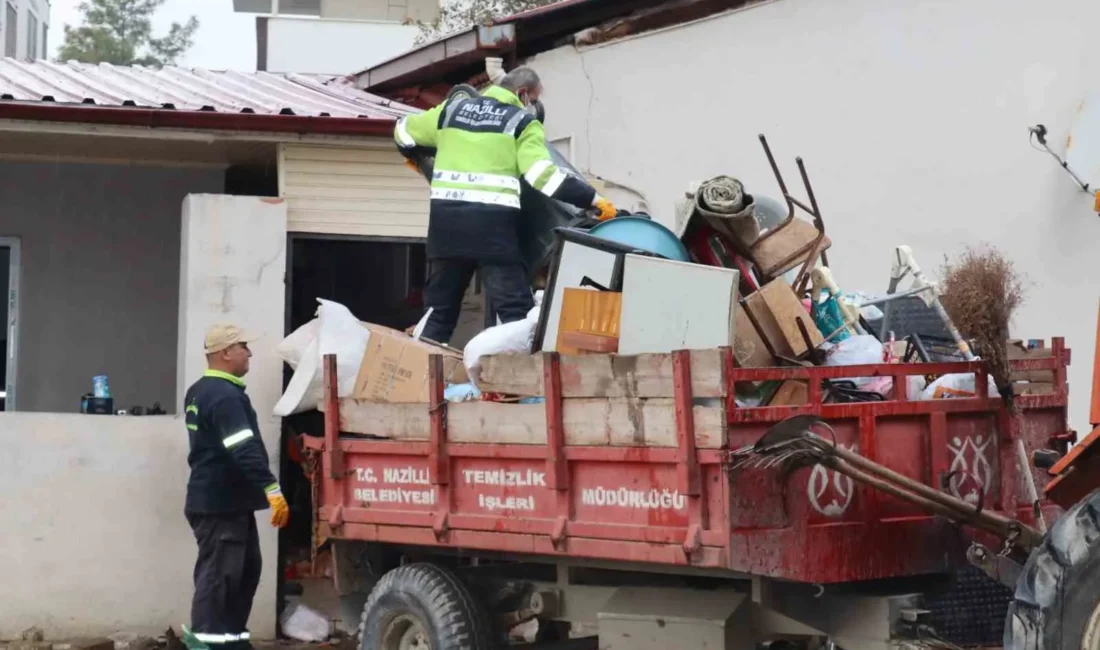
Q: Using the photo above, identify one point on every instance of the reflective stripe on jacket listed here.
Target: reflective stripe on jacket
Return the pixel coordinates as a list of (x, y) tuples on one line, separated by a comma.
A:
[(483, 147)]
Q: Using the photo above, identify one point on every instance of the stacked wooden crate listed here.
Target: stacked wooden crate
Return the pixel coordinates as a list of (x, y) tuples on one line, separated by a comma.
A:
[(606, 399)]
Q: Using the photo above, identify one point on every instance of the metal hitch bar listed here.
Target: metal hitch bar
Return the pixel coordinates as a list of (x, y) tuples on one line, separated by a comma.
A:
[(792, 441)]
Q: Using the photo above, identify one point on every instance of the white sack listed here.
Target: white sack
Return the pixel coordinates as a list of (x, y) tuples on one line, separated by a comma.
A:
[(294, 346), (961, 382), (501, 339), (339, 332)]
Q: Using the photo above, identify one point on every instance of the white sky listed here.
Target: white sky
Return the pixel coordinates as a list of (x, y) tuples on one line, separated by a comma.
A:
[(225, 40)]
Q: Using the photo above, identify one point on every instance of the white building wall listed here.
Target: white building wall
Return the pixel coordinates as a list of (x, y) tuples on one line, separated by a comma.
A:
[(312, 46), (232, 261), (31, 15), (911, 116)]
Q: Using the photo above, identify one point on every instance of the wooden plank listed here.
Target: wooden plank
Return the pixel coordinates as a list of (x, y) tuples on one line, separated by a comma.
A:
[(621, 422), (598, 375)]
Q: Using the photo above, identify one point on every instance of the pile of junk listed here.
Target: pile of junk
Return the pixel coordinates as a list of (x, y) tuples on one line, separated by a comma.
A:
[(741, 270)]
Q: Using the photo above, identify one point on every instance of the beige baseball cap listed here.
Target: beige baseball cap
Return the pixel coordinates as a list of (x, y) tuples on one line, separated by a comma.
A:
[(223, 335)]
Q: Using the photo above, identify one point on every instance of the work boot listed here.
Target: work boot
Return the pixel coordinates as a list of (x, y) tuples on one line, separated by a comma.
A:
[(190, 641)]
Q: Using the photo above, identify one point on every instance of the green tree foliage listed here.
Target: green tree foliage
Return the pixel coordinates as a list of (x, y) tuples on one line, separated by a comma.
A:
[(121, 32), (457, 15)]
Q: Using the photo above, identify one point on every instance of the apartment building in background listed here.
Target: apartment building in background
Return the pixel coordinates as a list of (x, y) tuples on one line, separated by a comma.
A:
[(24, 29), (333, 36)]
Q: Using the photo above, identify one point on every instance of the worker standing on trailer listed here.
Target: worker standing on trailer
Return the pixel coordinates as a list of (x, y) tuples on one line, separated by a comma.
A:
[(230, 481), (483, 145)]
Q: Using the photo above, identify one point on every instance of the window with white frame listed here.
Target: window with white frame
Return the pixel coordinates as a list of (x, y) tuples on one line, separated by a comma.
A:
[(45, 39), (32, 36), (11, 21)]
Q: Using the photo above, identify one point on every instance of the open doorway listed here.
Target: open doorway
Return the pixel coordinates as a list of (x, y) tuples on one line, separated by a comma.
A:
[(380, 281), (9, 318)]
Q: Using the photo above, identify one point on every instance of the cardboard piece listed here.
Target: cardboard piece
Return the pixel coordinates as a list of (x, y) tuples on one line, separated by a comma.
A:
[(774, 308), (793, 392), (1017, 350), (395, 367)]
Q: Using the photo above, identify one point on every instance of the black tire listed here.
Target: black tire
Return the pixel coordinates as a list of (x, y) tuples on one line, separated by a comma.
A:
[(430, 596), (1058, 593), (462, 91)]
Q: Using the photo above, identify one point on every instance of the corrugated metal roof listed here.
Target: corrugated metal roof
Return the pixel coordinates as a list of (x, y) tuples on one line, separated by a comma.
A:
[(181, 89)]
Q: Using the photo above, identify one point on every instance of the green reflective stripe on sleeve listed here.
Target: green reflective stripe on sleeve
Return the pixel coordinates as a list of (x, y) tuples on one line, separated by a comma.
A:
[(192, 408), (237, 438), (273, 489), (224, 375), (192, 427)]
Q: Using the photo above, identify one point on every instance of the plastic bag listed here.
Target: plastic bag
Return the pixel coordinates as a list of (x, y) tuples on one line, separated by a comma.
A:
[(303, 624), (857, 350), (338, 332), (955, 386), (501, 339)]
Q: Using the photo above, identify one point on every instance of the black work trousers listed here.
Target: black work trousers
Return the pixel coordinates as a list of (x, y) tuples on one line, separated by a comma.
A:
[(506, 285), (227, 573)]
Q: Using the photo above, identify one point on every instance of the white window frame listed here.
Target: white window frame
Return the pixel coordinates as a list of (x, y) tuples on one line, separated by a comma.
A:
[(11, 294)]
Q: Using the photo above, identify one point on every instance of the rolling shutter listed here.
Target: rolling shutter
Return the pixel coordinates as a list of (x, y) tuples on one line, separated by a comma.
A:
[(363, 189)]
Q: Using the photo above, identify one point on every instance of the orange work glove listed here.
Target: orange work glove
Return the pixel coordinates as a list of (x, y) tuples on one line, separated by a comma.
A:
[(280, 511), (606, 208)]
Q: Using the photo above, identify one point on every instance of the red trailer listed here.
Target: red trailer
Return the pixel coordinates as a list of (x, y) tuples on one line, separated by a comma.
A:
[(621, 506)]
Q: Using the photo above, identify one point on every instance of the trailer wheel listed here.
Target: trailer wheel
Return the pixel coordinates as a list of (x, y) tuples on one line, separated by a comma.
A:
[(422, 607), (1057, 601)]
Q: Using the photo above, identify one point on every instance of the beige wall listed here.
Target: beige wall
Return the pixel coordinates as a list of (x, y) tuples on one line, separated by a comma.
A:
[(911, 116), (99, 282)]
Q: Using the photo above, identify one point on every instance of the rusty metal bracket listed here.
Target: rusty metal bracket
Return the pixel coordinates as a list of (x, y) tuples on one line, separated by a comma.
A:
[(438, 460), (441, 524), (998, 566)]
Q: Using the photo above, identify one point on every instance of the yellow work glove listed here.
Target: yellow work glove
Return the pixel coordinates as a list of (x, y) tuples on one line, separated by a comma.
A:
[(280, 511), (606, 208)]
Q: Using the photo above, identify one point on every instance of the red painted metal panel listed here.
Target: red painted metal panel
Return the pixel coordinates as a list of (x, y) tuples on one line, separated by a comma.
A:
[(638, 504)]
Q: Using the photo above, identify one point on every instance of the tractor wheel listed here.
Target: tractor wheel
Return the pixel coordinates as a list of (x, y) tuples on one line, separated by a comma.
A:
[(422, 607), (1057, 600)]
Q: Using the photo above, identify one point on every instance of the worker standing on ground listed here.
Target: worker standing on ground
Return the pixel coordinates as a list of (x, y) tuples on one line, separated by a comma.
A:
[(230, 481), (483, 146)]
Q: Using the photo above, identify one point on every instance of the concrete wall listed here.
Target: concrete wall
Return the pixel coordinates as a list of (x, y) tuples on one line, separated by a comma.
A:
[(233, 257), (911, 116), (99, 282), (81, 561), (94, 538)]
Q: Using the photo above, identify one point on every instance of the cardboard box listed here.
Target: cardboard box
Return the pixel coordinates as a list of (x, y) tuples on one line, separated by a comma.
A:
[(749, 350), (395, 367), (775, 308)]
